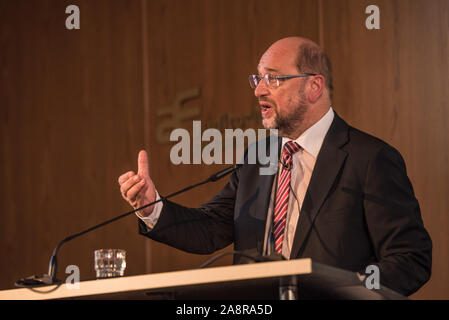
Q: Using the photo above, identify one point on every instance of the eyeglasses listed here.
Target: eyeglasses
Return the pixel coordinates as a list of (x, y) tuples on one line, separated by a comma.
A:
[(272, 80)]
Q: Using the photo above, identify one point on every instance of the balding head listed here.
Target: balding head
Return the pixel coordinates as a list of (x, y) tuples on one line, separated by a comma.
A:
[(307, 55), (297, 87), (291, 44)]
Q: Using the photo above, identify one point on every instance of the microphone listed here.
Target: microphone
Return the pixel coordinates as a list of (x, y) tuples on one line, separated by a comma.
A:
[(50, 278), (224, 172)]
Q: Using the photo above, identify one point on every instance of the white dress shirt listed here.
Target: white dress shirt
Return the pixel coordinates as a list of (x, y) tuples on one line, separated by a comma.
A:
[(301, 172)]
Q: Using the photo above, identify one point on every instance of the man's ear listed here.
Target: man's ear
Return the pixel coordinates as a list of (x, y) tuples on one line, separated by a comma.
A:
[(316, 88)]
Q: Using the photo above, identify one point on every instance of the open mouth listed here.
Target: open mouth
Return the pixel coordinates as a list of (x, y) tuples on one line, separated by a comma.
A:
[(265, 108)]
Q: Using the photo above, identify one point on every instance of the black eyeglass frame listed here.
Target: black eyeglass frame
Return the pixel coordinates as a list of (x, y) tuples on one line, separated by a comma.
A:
[(253, 77)]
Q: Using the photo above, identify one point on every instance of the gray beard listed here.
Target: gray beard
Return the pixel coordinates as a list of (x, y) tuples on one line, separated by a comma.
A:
[(287, 125)]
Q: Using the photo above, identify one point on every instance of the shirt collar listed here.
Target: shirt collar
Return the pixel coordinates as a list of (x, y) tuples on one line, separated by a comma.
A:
[(312, 139)]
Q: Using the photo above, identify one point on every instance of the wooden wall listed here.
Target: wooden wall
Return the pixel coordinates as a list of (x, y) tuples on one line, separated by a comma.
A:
[(76, 106), (71, 122)]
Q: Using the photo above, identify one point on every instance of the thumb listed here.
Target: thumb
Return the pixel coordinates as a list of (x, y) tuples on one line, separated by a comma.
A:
[(142, 164)]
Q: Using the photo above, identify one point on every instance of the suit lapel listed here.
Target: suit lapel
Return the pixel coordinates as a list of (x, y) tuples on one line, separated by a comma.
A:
[(327, 166), (265, 183)]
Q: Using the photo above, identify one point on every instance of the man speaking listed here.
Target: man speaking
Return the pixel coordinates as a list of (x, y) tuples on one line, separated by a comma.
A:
[(340, 197)]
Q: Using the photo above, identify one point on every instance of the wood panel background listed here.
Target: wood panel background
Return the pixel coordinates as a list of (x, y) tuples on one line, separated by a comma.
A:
[(76, 106), (71, 122)]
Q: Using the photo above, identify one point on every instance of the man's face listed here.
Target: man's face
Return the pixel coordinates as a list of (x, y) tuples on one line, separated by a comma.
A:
[(284, 107)]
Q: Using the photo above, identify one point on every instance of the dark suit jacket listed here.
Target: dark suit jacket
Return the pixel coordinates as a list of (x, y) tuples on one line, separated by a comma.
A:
[(359, 209)]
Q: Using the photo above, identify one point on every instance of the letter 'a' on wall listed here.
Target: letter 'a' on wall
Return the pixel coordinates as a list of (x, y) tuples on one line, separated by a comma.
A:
[(373, 20), (73, 20)]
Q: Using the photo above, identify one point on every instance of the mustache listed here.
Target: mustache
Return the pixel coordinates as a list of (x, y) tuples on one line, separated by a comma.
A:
[(264, 99)]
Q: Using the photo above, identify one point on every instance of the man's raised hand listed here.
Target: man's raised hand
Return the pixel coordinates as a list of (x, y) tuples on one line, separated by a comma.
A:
[(138, 189)]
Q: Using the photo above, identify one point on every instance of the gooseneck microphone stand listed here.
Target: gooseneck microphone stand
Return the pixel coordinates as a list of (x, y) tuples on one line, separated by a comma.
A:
[(50, 278)]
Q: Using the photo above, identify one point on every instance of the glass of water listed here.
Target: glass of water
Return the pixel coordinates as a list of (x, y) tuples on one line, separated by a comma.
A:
[(110, 263)]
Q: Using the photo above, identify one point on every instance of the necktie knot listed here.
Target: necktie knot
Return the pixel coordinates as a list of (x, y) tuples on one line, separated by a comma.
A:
[(290, 148)]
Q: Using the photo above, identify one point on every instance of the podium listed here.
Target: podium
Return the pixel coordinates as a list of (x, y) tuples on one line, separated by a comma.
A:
[(293, 279)]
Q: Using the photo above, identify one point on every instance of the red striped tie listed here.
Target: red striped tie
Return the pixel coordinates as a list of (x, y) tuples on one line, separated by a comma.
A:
[(281, 204)]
